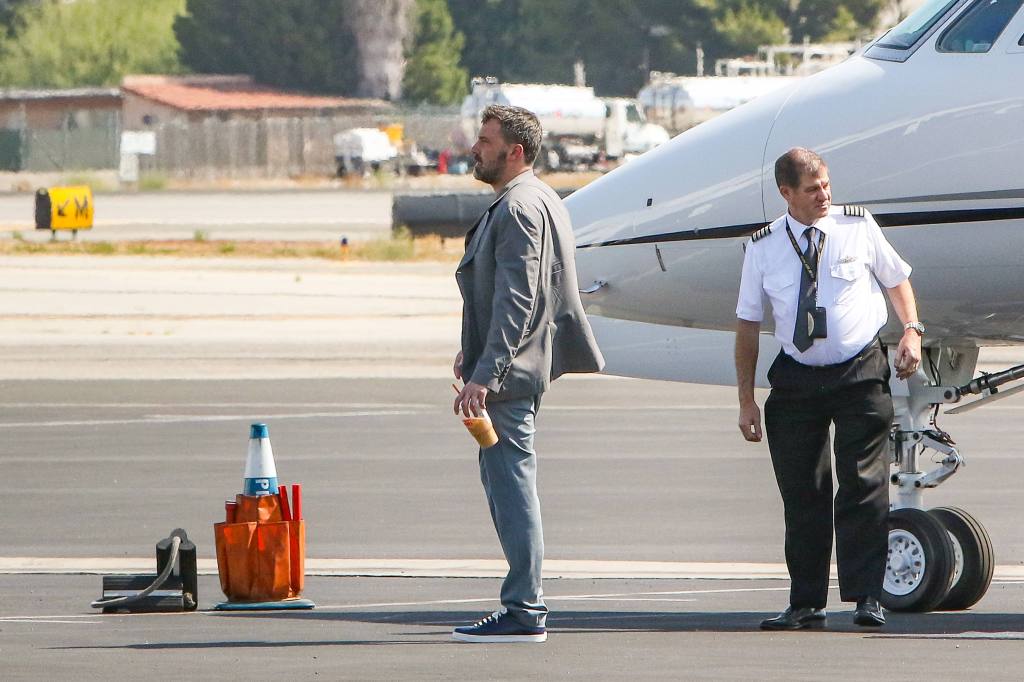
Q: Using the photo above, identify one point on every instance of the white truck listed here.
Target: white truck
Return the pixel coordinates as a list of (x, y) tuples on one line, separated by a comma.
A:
[(681, 102), (359, 151), (580, 129)]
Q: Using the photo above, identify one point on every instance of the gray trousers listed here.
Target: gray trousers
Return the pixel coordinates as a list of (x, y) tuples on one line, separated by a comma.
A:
[(508, 471)]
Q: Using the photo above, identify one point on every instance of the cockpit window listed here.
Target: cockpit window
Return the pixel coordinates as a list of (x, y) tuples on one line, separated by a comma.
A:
[(905, 34), (978, 28)]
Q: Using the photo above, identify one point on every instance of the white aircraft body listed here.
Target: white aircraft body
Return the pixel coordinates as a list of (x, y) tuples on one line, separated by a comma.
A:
[(924, 128)]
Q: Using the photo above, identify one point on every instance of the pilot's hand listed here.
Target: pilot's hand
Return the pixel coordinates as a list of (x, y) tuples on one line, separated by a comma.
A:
[(750, 422), (471, 399), (457, 367), (908, 354)]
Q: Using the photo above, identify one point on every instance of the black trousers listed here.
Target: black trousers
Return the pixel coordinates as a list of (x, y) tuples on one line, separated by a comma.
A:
[(804, 402)]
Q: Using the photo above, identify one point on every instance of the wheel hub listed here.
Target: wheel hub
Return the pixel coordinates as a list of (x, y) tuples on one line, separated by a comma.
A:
[(905, 565)]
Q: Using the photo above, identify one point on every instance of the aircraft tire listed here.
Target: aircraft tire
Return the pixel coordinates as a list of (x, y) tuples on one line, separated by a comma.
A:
[(919, 565), (974, 559)]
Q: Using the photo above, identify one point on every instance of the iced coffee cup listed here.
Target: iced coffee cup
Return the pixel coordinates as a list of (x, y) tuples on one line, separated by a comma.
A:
[(481, 429)]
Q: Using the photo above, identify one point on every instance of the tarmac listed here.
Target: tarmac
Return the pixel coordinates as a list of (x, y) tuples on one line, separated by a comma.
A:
[(264, 214), (127, 392)]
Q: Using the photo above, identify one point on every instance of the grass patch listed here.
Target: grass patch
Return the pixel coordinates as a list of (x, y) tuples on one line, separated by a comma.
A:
[(99, 248), (402, 248), (152, 181), (93, 181)]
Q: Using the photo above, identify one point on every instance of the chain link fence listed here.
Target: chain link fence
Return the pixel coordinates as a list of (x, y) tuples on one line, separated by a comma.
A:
[(68, 148), (266, 147), (279, 147)]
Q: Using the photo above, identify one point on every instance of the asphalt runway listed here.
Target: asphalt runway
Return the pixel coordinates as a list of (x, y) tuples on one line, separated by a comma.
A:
[(630, 471), (397, 629), (275, 215), (126, 393)]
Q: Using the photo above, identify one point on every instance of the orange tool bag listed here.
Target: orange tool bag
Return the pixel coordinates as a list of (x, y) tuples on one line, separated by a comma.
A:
[(261, 555)]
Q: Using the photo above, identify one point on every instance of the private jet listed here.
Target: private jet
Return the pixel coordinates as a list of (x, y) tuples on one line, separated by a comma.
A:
[(925, 128)]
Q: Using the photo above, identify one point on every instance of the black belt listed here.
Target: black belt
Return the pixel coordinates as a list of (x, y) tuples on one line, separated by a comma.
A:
[(873, 344)]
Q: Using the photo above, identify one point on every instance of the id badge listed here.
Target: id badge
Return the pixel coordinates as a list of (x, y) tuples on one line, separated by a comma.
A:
[(817, 323)]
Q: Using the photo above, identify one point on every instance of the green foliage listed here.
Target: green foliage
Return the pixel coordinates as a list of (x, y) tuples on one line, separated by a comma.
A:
[(817, 19), (9, 15), (432, 72), (747, 26), (493, 30), (619, 41), (60, 44), (844, 26), (294, 44), (99, 248)]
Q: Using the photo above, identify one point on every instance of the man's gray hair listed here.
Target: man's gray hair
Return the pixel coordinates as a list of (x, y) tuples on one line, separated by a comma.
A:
[(518, 126), (794, 164)]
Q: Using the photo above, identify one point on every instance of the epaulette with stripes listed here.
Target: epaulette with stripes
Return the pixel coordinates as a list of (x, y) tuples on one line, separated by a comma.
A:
[(855, 211), (762, 233)]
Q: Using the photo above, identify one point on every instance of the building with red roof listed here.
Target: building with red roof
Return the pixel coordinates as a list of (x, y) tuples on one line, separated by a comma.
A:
[(153, 100)]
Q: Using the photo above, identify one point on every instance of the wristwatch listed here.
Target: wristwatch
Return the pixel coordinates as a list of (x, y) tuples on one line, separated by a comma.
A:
[(916, 326)]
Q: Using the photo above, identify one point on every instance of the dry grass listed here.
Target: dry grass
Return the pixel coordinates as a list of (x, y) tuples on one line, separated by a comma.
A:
[(399, 248)]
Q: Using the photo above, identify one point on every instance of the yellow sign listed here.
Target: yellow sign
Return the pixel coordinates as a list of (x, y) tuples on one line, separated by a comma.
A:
[(71, 208)]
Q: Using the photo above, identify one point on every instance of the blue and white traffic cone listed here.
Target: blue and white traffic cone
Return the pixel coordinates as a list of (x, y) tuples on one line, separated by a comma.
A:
[(260, 472)]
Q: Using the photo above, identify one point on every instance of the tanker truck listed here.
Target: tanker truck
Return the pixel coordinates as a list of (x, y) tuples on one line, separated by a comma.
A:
[(580, 128)]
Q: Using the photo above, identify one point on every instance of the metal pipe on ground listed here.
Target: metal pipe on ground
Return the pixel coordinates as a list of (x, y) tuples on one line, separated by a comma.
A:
[(447, 214)]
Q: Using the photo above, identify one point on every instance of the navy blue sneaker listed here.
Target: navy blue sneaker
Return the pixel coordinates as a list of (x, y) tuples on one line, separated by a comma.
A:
[(499, 627)]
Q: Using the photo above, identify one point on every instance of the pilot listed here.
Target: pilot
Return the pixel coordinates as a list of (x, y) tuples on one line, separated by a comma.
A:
[(820, 266)]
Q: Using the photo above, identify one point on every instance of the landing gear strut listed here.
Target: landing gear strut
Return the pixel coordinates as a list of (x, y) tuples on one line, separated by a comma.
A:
[(939, 559)]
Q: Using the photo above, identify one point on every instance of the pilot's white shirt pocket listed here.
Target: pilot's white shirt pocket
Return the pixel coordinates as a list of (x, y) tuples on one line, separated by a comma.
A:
[(778, 281), (848, 277)]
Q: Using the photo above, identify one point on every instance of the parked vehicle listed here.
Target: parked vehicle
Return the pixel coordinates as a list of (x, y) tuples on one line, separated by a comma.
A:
[(362, 150), (580, 128)]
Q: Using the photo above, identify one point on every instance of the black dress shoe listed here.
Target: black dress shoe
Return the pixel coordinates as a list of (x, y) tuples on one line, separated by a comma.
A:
[(869, 613), (796, 619)]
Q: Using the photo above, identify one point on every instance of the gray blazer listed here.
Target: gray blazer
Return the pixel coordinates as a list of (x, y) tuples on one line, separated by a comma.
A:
[(523, 324)]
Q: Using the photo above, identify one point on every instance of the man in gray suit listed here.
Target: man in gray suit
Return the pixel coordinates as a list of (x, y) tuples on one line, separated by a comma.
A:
[(522, 327)]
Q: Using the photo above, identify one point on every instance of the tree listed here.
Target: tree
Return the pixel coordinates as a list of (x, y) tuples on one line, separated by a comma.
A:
[(295, 44), (381, 29), (60, 44), (432, 72), (493, 33), (844, 27), (9, 15), (744, 28), (619, 41), (815, 19)]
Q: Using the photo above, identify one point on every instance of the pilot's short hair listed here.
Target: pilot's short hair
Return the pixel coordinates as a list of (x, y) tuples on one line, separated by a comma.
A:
[(796, 163), (518, 126)]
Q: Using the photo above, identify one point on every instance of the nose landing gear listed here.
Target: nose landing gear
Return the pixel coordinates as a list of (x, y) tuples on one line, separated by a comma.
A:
[(940, 559)]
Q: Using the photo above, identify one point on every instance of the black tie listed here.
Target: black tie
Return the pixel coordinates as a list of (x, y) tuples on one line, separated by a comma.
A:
[(808, 295)]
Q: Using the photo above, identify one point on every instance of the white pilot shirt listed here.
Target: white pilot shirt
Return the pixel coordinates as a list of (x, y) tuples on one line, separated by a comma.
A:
[(855, 257)]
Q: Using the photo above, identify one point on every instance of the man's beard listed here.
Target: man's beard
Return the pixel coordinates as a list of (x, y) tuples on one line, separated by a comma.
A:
[(490, 174)]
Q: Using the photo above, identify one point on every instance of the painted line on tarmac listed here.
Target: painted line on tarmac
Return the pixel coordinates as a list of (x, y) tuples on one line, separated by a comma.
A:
[(422, 406), (669, 596), (222, 405), (48, 620), (199, 418), (1005, 635), (448, 568)]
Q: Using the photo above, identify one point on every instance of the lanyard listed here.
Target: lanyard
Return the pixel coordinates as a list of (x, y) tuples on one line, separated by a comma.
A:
[(800, 254)]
